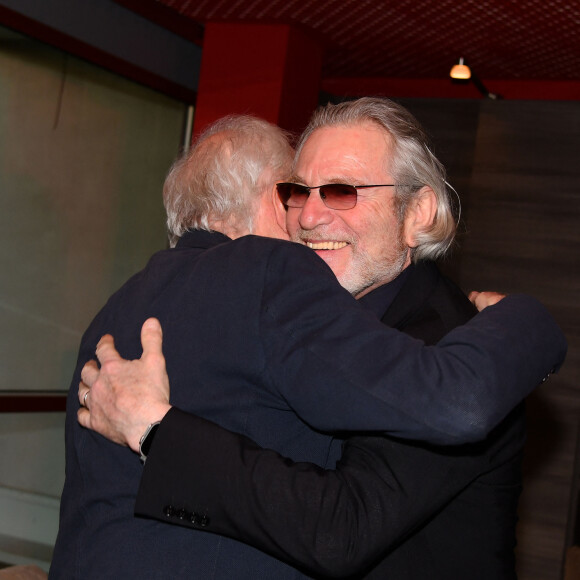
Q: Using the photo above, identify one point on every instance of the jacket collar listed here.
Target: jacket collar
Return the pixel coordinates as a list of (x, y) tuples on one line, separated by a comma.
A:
[(381, 298), (415, 291), (201, 239)]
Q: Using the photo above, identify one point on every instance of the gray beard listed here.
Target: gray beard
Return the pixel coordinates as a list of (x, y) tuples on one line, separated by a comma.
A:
[(370, 274)]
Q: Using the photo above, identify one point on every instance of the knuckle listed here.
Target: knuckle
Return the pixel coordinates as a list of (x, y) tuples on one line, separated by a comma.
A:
[(156, 358)]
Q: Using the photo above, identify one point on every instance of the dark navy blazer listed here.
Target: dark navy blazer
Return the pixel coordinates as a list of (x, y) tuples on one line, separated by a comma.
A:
[(243, 326)]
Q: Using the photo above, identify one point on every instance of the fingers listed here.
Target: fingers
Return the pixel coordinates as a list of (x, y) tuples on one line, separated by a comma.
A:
[(84, 392), (106, 350), (119, 396), (84, 417), (90, 373), (482, 300), (494, 297), (151, 341)]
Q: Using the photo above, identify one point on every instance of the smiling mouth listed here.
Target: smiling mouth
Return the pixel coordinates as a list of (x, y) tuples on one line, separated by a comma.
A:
[(326, 245)]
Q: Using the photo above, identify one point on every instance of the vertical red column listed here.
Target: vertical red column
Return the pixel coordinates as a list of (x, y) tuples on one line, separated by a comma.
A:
[(271, 71)]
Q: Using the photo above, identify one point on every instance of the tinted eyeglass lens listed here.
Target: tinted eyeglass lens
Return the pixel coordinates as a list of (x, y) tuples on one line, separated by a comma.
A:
[(334, 195), (292, 194), (338, 196)]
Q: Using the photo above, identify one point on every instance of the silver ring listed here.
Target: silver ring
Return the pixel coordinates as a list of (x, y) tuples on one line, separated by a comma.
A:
[(85, 399)]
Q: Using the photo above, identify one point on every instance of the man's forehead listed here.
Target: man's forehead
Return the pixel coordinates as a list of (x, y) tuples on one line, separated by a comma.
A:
[(336, 177), (339, 153)]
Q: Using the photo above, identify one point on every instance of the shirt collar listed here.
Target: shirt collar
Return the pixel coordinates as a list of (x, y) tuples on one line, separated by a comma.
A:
[(201, 239)]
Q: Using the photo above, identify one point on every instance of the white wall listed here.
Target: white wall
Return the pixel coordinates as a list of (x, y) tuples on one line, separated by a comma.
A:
[(83, 156)]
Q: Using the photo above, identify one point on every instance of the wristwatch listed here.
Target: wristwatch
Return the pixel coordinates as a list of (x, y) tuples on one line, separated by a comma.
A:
[(147, 439)]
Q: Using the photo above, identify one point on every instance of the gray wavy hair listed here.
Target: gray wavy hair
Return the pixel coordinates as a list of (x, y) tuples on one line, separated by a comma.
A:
[(412, 163), (222, 179)]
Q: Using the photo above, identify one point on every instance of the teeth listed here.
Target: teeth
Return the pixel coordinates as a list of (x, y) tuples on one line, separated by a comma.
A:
[(326, 245)]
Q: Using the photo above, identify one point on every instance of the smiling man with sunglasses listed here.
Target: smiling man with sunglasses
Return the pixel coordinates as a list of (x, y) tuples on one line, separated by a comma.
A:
[(370, 199), (362, 231)]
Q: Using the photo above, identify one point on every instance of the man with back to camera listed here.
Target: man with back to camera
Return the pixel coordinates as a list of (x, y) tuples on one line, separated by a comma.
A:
[(270, 423)]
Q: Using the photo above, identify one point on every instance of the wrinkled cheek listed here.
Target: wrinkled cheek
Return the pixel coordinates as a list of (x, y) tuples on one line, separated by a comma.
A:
[(292, 223)]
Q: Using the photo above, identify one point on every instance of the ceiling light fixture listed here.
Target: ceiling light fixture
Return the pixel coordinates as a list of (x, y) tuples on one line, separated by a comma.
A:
[(461, 73)]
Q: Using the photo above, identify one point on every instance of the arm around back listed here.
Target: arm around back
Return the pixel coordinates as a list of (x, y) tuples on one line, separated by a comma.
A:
[(339, 368), (333, 523)]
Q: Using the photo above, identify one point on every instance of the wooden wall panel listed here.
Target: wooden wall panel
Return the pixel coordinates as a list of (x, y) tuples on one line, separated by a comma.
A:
[(523, 222), (517, 168), (452, 128)]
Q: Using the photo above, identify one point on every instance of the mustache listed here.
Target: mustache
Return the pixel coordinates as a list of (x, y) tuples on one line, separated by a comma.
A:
[(321, 234)]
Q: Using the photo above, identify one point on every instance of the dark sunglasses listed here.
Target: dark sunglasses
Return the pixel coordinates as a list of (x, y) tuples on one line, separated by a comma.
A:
[(334, 195)]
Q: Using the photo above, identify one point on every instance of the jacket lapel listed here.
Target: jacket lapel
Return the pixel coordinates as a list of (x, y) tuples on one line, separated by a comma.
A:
[(419, 285)]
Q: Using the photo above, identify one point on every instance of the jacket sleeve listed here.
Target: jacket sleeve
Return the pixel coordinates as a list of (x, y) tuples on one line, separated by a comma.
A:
[(333, 523), (340, 369)]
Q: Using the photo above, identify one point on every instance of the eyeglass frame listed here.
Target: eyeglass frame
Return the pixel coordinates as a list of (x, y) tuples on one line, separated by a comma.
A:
[(324, 198)]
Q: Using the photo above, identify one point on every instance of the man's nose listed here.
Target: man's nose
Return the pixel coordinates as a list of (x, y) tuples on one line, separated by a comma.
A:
[(314, 212)]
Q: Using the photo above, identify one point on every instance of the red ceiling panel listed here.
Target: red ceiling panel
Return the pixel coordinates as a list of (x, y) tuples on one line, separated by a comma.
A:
[(500, 39)]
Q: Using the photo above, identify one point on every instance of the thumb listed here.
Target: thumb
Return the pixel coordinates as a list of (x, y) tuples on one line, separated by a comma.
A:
[(152, 338)]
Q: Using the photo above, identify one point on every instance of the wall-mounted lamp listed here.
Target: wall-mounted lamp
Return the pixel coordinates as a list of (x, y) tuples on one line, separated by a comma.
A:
[(461, 72)]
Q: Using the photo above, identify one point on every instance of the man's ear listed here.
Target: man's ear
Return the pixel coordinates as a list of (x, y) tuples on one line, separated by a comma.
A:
[(420, 215), (279, 210)]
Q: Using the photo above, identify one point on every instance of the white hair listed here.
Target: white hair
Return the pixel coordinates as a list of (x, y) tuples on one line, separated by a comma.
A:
[(412, 164), (224, 174)]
